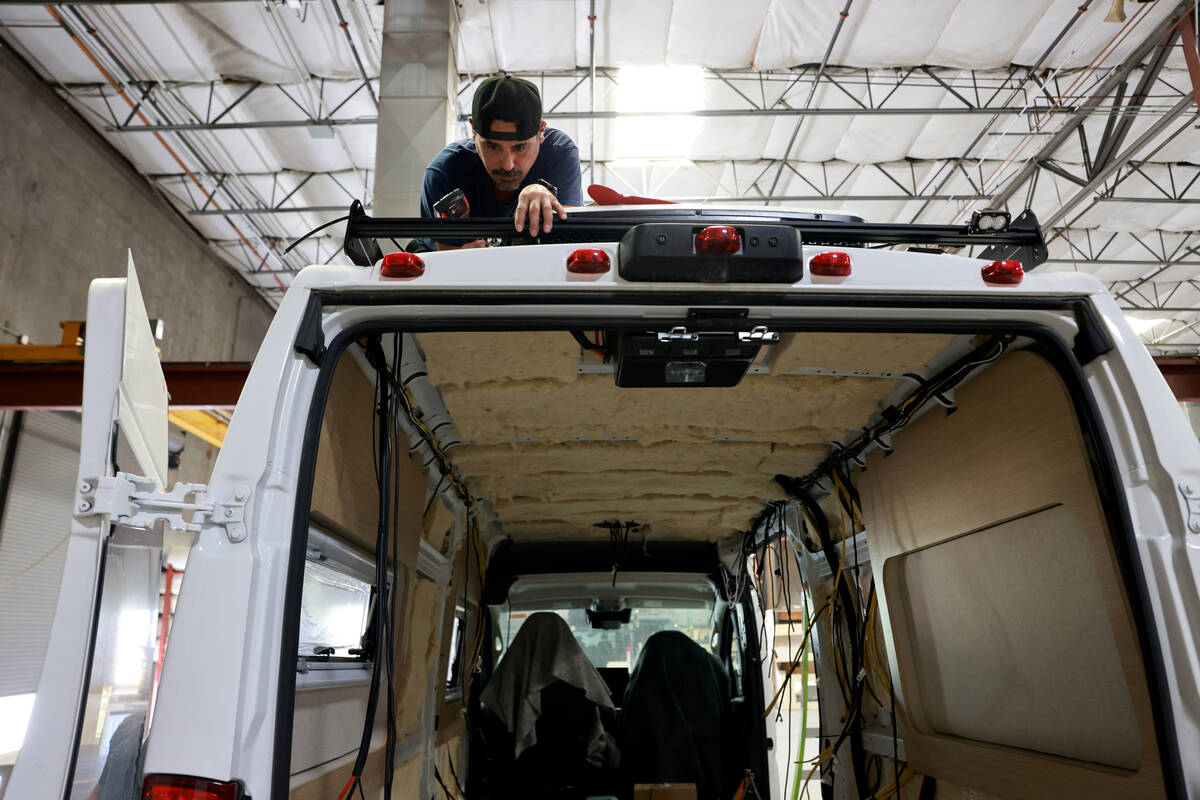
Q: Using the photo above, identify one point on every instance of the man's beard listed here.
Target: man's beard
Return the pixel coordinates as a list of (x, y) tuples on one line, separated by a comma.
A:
[(505, 180)]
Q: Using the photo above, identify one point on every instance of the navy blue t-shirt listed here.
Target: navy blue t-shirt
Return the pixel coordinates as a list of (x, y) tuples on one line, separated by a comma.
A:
[(458, 166)]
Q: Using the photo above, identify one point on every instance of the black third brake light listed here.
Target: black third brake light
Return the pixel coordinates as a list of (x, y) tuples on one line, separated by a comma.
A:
[(680, 252)]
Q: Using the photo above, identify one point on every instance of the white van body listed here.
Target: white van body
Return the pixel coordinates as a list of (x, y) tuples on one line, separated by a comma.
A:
[(215, 714)]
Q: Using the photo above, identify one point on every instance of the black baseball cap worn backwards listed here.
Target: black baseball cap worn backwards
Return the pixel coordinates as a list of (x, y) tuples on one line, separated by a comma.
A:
[(507, 98)]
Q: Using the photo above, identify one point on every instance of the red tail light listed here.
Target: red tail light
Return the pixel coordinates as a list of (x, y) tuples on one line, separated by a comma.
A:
[(718, 240), (158, 786), (589, 261), (1003, 273), (830, 264), (402, 265)]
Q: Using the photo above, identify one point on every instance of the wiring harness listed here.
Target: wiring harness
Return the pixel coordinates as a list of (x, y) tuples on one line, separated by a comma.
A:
[(852, 618), (393, 403)]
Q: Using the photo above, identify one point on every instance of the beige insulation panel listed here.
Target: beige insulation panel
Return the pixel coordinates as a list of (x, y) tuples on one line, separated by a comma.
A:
[(423, 645), (856, 352), (556, 450), (345, 500), (344, 496), (1018, 658)]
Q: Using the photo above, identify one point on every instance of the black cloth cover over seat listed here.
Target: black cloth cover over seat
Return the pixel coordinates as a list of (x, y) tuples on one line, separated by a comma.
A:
[(676, 719), (557, 765)]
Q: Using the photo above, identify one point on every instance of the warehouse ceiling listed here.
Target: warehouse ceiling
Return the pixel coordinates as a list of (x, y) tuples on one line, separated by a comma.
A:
[(258, 119)]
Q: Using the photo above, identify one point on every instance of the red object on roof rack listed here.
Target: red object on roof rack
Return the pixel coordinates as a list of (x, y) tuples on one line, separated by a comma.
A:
[(605, 196)]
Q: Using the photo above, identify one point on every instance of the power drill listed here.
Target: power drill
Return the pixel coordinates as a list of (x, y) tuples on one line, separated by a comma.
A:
[(454, 205)]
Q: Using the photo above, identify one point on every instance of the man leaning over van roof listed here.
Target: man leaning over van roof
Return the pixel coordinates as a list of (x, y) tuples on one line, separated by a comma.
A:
[(513, 164)]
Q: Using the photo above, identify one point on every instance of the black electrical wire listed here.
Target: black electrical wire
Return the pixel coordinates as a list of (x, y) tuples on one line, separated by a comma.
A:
[(392, 741), (317, 229), (812, 624), (896, 417), (377, 665), (876, 761), (852, 729), (387, 433), (454, 773), (433, 496), (442, 783), (588, 344), (785, 587), (895, 734)]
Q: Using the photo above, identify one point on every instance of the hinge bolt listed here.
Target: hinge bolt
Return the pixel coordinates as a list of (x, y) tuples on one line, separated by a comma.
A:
[(86, 505), (1186, 488), (85, 488), (1194, 525), (239, 495), (229, 512)]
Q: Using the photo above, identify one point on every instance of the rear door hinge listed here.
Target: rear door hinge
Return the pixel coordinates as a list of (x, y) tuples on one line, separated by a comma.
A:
[(1190, 489), (134, 501)]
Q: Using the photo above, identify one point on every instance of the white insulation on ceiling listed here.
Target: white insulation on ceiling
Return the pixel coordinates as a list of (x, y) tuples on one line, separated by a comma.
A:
[(519, 35), (249, 63)]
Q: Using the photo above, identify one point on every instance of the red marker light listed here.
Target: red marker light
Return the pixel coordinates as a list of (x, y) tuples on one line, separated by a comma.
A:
[(185, 787), (830, 264), (718, 240), (402, 265), (589, 261), (1003, 273)]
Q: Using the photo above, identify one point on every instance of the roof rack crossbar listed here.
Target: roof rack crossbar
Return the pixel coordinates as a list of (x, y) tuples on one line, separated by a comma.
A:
[(1024, 239)]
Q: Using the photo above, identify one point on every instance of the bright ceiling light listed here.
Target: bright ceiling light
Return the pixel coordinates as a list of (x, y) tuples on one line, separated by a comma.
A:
[(1142, 325), (657, 89)]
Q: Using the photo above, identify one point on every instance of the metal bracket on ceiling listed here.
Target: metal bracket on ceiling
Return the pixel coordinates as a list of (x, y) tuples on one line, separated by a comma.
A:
[(678, 334), (759, 335)]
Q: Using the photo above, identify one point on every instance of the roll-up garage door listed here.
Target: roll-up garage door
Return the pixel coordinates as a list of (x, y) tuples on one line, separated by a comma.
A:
[(33, 537)]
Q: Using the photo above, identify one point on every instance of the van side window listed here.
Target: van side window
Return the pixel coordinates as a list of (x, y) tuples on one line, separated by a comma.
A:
[(454, 669), (336, 606), (737, 650)]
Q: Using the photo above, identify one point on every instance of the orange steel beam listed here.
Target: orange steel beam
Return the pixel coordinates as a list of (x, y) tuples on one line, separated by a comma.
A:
[(70, 349)]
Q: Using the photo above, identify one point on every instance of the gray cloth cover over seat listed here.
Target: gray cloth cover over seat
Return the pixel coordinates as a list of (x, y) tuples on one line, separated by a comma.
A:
[(544, 652)]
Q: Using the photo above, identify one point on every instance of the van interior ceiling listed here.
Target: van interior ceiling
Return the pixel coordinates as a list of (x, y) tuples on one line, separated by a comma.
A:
[(512, 560)]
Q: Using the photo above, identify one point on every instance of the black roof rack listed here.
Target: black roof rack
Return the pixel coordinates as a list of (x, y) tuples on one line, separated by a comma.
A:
[(1021, 240)]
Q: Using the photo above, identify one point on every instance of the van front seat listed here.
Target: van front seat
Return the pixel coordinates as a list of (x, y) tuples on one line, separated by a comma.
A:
[(545, 711), (676, 720)]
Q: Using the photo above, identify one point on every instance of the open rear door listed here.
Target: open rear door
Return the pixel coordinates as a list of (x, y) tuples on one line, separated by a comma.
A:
[(124, 416)]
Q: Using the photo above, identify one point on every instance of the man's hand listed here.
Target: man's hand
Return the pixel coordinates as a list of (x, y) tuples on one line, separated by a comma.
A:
[(540, 205)]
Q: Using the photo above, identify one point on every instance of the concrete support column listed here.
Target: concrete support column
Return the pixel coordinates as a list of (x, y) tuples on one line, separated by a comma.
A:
[(417, 101)]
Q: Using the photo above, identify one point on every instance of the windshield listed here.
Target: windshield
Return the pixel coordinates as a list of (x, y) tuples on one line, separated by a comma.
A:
[(619, 647)]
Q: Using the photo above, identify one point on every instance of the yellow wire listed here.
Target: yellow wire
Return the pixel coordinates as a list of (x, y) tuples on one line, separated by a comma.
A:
[(437, 446), (474, 541), (870, 646), (892, 788), (829, 601), (796, 658), (870, 650)]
